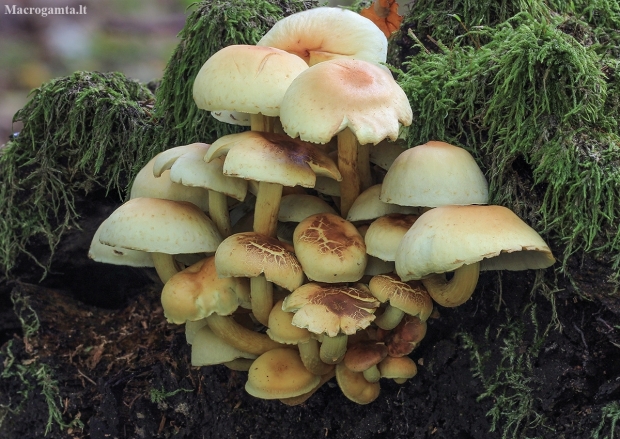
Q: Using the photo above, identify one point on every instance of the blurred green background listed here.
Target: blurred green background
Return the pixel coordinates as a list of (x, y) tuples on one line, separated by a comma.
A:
[(135, 37)]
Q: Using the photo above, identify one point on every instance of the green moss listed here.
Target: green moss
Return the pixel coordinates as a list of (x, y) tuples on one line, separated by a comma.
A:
[(80, 133), (210, 26), (540, 111)]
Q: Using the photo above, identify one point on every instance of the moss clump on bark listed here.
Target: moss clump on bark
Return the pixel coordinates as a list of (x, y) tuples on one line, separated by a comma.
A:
[(540, 111), (81, 132), (211, 26)]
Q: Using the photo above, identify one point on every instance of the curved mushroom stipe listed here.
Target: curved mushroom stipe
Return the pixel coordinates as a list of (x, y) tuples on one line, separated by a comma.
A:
[(333, 348), (240, 337), (165, 265), (261, 295), (390, 318), (457, 290), (309, 352)]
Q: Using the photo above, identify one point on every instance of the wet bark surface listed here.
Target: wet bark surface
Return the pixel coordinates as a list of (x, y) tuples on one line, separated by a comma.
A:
[(508, 363)]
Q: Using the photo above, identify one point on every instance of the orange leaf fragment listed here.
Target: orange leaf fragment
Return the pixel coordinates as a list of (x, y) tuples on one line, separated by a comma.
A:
[(384, 13)]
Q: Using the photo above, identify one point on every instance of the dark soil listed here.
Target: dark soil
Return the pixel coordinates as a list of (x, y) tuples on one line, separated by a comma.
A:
[(124, 372)]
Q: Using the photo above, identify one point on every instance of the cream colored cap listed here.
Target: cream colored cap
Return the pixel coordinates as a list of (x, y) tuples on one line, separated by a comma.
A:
[(385, 152), (99, 252), (146, 185), (368, 206), (330, 249), (344, 93), (232, 117), (187, 167), (275, 158), (435, 174), (384, 235), (324, 33), (448, 237), (279, 373), (298, 207), (331, 308), (197, 292), (162, 226), (251, 254), (248, 79)]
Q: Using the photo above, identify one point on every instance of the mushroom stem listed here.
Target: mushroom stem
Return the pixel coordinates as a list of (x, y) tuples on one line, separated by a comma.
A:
[(372, 374), (261, 295), (309, 352), (266, 124), (457, 290), (218, 211), (240, 337), (348, 164), (165, 265), (363, 164), (390, 318), (333, 348), (267, 207)]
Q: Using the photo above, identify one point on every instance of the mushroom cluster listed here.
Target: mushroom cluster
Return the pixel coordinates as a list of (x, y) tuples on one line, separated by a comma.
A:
[(312, 245)]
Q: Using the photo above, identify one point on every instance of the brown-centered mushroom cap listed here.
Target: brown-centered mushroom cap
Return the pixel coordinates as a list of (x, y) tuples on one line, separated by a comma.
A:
[(403, 339), (363, 355), (279, 373), (245, 78), (330, 249), (251, 254), (385, 234), (411, 298), (197, 292), (324, 33), (434, 174), (274, 158), (345, 93), (331, 308)]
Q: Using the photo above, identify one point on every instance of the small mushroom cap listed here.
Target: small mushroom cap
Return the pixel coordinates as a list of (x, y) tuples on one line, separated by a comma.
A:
[(364, 354), (435, 174), (412, 298), (99, 252), (398, 368), (368, 206), (275, 158), (446, 238), (354, 386), (251, 254), (403, 339), (281, 328), (345, 93), (209, 349), (247, 79), (146, 185), (330, 249), (327, 33), (190, 169), (279, 373), (164, 226), (298, 207), (197, 292), (385, 152), (385, 234), (331, 308)]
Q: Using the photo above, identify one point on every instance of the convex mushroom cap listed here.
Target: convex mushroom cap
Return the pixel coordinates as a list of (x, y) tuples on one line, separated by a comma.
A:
[(324, 33), (334, 95), (384, 235), (247, 79), (434, 174), (330, 249), (368, 206)]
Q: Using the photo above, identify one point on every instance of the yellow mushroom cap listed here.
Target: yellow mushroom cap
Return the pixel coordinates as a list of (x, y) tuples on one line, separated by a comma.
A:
[(330, 249), (197, 292), (434, 174), (384, 235), (245, 78), (281, 328), (368, 206), (448, 237), (354, 386), (411, 298), (251, 254), (279, 373), (398, 368)]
